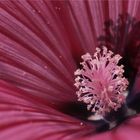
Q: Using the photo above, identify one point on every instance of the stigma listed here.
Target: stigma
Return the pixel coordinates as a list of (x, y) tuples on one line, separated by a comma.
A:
[(100, 82)]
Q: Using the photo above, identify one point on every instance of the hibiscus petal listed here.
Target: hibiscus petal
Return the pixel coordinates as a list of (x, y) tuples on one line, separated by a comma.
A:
[(30, 60), (33, 77), (121, 7), (24, 117), (128, 130), (43, 40)]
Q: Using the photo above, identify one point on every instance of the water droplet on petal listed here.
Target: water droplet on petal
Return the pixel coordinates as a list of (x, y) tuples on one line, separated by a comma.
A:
[(81, 123), (34, 10), (58, 8), (24, 73), (45, 67)]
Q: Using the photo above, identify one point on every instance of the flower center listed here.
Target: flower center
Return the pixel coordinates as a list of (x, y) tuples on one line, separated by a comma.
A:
[(100, 82)]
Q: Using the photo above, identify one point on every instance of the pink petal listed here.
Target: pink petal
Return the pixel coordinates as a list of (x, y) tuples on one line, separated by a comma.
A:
[(34, 55), (128, 130), (24, 117), (40, 44), (42, 41)]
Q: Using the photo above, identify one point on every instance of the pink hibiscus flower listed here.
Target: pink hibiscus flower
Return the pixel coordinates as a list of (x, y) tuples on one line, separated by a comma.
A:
[(41, 44)]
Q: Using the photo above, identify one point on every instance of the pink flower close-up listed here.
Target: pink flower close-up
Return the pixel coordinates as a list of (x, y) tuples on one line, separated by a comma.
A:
[(69, 69)]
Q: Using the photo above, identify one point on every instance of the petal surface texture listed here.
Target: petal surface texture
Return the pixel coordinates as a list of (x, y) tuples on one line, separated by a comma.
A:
[(23, 117), (41, 43)]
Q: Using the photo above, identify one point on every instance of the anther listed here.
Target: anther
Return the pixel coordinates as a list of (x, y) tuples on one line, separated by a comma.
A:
[(100, 82)]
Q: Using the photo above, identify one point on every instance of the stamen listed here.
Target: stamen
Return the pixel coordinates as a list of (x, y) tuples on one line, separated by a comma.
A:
[(100, 82)]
